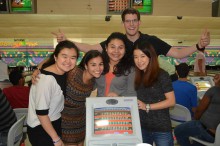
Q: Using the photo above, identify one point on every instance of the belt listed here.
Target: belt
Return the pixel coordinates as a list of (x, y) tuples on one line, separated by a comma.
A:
[(208, 131)]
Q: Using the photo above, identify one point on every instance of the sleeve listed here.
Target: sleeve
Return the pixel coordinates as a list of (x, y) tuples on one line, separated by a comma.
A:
[(130, 84), (161, 47), (43, 93), (165, 82)]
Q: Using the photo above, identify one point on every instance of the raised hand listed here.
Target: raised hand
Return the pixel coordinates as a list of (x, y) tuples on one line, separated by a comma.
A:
[(59, 35), (204, 39), (35, 76)]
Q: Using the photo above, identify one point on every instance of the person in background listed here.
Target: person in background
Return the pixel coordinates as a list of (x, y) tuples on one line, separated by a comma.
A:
[(185, 92), (207, 118), (47, 97), (7, 118), (155, 96), (80, 84), (3, 70), (131, 22), (18, 94), (200, 62), (168, 67)]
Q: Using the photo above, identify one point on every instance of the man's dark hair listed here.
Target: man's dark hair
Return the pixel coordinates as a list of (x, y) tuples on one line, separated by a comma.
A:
[(15, 76), (182, 70), (130, 11)]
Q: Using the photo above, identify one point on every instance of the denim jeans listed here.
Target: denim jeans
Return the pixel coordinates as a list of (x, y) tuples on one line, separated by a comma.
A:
[(159, 138), (191, 128), (3, 138)]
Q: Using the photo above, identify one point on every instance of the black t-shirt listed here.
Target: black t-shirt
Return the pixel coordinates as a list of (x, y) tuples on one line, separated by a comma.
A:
[(161, 47), (156, 120)]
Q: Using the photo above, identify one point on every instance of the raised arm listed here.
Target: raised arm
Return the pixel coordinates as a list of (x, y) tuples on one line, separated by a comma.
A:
[(184, 52), (82, 46)]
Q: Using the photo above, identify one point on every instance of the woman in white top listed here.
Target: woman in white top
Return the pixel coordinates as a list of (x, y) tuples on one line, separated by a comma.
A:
[(47, 97)]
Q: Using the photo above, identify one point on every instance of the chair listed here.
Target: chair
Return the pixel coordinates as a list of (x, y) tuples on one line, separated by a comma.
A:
[(216, 141), (179, 114), (15, 133), (19, 112)]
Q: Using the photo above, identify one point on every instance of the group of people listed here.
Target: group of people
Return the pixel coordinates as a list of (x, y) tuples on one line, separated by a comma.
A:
[(206, 118), (123, 65)]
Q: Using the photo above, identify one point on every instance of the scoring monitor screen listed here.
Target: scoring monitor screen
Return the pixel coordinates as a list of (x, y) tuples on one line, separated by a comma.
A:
[(112, 120), (203, 85)]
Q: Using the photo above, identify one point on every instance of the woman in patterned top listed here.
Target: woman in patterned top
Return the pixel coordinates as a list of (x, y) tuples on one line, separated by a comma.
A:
[(80, 84), (155, 96)]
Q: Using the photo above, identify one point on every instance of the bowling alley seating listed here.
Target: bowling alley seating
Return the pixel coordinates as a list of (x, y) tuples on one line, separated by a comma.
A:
[(216, 142), (179, 114), (19, 112), (15, 133)]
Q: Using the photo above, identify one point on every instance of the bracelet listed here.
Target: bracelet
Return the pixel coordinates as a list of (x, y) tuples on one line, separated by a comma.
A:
[(56, 141), (148, 108), (200, 49)]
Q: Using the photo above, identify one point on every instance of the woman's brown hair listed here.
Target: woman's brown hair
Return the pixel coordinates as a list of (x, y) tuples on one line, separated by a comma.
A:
[(148, 77)]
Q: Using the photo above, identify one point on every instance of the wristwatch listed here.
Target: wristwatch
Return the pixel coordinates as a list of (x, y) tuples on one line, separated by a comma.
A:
[(147, 108)]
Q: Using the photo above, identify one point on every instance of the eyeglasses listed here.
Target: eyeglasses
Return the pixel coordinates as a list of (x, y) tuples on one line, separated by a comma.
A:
[(135, 21)]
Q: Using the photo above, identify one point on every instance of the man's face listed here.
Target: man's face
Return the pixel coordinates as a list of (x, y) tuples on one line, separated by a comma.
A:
[(131, 24)]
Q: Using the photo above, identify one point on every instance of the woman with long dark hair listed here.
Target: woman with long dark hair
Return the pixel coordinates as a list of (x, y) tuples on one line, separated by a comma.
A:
[(155, 96)]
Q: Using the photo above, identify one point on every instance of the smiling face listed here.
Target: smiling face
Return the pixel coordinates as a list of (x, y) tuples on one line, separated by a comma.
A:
[(66, 60), (115, 50), (131, 24), (95, 67), (141, 60)]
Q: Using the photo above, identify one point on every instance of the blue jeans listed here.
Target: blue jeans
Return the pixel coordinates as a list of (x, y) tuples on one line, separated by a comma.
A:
[(191, 128), (159, 138)]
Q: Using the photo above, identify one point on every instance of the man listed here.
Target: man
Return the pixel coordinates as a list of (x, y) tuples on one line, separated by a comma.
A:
[(7, 119), (185, 92), (199, 66), (207, 118), (18, 94), (131, 22)]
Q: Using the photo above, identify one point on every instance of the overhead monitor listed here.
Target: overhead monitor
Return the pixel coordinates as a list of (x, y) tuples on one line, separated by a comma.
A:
[(112, 121), (118, 6), (202, 84), (4, 6), (22, 6), (143, 6)]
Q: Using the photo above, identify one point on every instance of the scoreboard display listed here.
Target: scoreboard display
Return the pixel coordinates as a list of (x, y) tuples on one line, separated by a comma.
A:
[(117, 6)]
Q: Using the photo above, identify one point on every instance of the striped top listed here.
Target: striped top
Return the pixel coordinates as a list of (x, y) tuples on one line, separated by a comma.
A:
[(7, 115)]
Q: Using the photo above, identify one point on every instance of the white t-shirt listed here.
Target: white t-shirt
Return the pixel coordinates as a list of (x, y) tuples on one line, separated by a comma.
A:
[(46, 94)]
